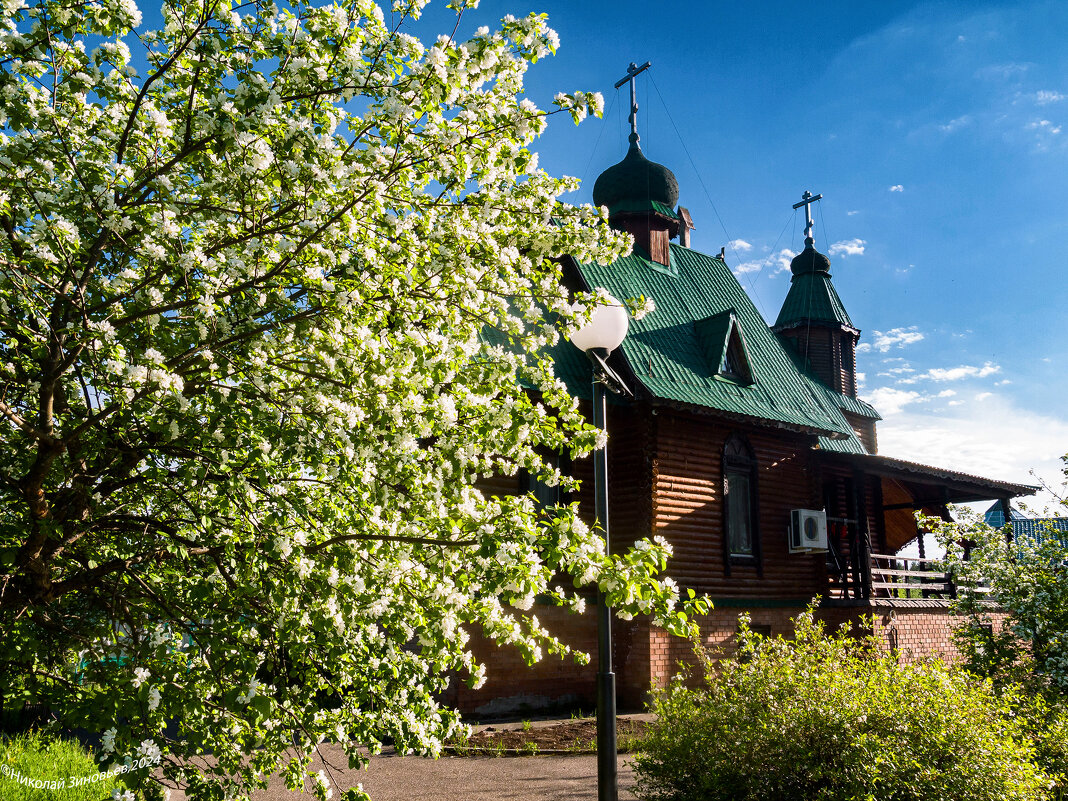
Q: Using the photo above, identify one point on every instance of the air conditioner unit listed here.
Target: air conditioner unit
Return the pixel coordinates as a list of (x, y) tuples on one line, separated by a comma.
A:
[(808, 531)]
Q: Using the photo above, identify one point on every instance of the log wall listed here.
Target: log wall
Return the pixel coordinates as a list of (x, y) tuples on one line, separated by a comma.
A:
[(688, 507)]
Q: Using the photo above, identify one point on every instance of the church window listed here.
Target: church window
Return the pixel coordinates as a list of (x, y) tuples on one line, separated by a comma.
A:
[(739, 519), (741, 535), (546, 494)]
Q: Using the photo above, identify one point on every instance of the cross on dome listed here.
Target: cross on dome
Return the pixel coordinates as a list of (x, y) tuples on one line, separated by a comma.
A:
[(807, 199), (632, 71)]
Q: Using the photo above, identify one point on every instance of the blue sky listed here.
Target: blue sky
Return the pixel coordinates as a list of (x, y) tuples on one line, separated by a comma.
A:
[(938, 135)]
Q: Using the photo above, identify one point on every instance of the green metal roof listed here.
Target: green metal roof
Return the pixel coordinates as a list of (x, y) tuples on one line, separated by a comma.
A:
[(812, 298), (850, 445), (861, 408), (666, 353)]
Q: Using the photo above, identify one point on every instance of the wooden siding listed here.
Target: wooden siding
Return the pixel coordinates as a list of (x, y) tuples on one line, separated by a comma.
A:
[(665, 472), (864, 428), (650, 233), (831, 354), (688, 509), (847, 359), (629, 476)]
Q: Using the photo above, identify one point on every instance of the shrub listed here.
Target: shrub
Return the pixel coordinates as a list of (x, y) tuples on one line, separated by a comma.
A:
[(1026, 577), (830, 717), (1045, 716)]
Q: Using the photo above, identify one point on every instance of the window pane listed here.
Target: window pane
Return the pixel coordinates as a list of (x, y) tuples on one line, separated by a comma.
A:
[(738, 507), (545, 494)]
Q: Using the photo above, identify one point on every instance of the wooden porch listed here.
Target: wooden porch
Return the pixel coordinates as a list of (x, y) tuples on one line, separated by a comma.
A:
[(887, 576)]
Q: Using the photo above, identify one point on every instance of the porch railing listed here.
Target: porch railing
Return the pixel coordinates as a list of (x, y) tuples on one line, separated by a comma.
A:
[(890, 576), (912, 577), (909, 577)]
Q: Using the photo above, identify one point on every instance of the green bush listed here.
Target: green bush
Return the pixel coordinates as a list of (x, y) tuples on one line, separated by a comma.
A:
[(1046, 719), (29, 758), (829, 717)]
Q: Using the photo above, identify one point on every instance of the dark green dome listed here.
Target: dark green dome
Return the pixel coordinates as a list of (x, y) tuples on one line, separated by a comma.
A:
[(810, 260), (636, 184)]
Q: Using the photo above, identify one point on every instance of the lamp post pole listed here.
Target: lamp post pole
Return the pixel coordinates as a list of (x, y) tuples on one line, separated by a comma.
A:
[(598, 338), (606, 680)]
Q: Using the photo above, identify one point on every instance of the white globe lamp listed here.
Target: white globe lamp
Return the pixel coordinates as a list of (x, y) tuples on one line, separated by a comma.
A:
[(606, 329)]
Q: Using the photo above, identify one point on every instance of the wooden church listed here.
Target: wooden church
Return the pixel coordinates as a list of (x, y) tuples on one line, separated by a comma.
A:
[(746, 447)]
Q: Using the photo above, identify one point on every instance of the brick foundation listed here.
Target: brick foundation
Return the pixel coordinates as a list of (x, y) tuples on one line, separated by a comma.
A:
[(646, 656)]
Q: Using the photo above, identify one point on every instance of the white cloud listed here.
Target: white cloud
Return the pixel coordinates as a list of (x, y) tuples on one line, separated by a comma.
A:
[(897, 188), (956, 373), (1044, 97), (782, 260), (953, 125), (1002, 71), (982, 396), (848, 247), (1045, 126), (892, 372), (888, 400), (778, 261), (851, 213), (994, 438), (739, 244), (895, 337), (747, 267)]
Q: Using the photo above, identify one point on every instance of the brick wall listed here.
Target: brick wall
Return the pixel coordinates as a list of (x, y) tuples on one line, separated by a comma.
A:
[(513, 687), (916, 633), (647, 656)]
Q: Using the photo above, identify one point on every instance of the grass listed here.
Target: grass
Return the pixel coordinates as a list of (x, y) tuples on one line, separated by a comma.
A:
[(27, 759)]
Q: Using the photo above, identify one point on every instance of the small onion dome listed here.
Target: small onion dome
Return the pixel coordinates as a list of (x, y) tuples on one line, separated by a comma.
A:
[(810, 260), (637, 184)]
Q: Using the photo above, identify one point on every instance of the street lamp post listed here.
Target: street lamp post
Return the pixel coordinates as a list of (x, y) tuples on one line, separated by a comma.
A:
[(598, 338)]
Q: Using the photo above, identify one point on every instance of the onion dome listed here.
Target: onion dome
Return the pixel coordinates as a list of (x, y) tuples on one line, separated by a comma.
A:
[(812, 298), (810, 260), (637, 185)]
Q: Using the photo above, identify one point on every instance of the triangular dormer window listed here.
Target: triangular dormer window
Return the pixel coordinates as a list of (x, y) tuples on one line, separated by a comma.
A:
[(721, 339)]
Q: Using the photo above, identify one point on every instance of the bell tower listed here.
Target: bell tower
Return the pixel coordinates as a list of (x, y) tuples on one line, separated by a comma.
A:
[(813, 323)]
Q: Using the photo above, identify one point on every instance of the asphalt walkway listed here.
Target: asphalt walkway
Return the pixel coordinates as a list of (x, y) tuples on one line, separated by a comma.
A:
[(390, 777)]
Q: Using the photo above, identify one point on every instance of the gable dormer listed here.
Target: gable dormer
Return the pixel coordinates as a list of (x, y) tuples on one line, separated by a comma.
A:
[(724, 347)]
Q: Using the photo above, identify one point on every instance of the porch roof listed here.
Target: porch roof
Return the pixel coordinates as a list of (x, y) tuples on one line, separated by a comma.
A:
[(911, 486), (935, 486)]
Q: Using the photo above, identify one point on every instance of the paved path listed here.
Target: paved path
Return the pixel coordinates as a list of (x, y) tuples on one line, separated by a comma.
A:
[(407, 778), (394, 778)]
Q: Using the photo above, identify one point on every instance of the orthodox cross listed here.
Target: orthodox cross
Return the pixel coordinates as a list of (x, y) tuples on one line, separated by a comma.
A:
[(807, 199), (632, 71)]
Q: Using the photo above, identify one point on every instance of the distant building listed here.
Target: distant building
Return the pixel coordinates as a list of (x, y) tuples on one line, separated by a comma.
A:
[(1031, 528)]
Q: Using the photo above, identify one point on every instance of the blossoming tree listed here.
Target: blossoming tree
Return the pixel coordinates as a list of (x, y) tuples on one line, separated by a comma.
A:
[(245, 384)]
